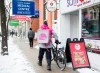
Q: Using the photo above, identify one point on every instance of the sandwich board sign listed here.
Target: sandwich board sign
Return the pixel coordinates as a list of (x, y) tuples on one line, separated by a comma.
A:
[(79, 55)]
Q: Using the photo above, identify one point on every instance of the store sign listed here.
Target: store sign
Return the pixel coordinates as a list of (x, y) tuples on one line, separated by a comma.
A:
[(68, 6), (20, 17), (23, 7), (77, 2), (79, 55), (37, 12), (14, 22), (51, 5)]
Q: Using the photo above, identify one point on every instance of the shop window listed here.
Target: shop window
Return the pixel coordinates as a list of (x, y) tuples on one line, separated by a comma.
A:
[(91, 22), (94, 13)]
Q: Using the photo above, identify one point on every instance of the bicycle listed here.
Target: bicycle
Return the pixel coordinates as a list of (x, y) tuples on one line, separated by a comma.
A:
[(59, 56)]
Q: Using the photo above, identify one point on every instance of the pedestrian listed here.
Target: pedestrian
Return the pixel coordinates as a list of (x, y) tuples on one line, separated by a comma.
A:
[(31, 35), (12, 33), (46, 47), (16, 33)]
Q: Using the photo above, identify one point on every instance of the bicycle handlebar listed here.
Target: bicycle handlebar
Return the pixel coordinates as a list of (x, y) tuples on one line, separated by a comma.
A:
[(57, 42)]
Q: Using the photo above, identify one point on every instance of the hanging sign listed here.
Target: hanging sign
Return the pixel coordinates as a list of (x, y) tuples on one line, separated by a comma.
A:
[(51, 5), (79, 55)]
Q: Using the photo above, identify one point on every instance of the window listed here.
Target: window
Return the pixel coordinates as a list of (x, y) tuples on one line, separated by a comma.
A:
[(91, 22)]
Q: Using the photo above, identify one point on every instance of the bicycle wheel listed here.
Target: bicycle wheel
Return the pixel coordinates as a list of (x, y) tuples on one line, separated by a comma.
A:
[(61, 59)]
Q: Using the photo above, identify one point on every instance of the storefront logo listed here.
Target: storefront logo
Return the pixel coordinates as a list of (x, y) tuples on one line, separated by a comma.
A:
[(77, 2), (77, 47), (71, 2), (51, 5)]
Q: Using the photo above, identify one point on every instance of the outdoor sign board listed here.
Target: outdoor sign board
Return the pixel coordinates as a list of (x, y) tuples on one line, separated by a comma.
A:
[(20, 17), (36, 15), (73, 5), (23, 7), (36, 12), (51, 5), (14, 22), (79, 55)]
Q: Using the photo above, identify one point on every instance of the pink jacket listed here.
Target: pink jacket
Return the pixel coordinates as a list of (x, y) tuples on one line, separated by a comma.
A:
[(44, 27), (49, 45)]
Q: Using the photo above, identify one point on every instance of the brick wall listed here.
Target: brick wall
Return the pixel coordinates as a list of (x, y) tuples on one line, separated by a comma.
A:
[(35, 21)]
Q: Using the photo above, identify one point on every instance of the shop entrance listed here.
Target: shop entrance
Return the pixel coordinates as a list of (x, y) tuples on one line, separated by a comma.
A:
[(74, 23)]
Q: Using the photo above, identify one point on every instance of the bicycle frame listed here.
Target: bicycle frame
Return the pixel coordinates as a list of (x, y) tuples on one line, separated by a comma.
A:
[(59, 56), (54, 51)]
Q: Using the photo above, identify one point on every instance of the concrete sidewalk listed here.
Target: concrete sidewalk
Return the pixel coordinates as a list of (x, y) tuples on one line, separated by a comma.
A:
[(94, 60), (32, 56), (15, 61)]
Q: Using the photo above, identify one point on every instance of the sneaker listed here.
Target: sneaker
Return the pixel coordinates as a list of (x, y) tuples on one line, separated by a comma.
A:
[(39, 63), (49, 68)]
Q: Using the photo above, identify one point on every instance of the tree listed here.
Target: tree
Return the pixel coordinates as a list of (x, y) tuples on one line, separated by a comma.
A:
[(4, 43), (8, 8)]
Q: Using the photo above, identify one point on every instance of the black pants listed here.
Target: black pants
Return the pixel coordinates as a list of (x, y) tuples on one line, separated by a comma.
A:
[(31, 42), (48, 55)]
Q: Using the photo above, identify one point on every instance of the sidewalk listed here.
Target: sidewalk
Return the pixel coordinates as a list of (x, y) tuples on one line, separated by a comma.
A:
[(32, 56), (93, 70), (22, 59), (94, 60), (15, 62)]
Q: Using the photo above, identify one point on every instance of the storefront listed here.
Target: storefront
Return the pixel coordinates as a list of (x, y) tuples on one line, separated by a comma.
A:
[(80, 18), (90, 22)]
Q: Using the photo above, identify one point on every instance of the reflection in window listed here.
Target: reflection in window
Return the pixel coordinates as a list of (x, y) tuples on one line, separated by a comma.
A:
[(91, 22)]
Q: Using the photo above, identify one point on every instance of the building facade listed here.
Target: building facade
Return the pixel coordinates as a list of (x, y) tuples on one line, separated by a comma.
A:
[(35, 21), (44, 14), (79, 18)]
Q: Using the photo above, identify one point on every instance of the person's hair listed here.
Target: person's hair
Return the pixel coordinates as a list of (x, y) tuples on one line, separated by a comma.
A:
[(45, 23), (30, 28)]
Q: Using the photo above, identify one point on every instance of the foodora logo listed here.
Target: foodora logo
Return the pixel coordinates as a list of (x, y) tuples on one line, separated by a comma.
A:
[(42, 36)]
